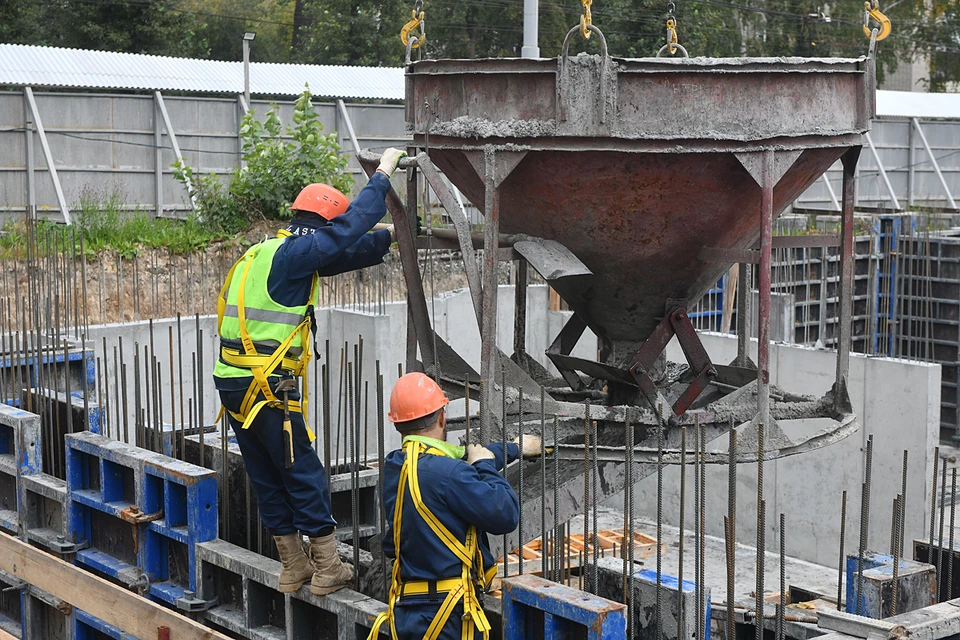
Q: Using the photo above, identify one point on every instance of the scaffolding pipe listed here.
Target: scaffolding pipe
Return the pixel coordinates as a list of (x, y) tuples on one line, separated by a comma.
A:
[(933, 161)]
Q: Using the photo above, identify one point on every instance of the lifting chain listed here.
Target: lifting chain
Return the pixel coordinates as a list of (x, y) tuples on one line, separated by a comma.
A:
[(586, 20), (871, 9), (416, 21)]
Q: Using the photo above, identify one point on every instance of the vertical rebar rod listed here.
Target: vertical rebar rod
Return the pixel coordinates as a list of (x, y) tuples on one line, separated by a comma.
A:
[(781, 609), (627, 551), (595, 482), (728, 544), (559, 541), (586, 479), (381, 456), (696, 531), (731, 518), (843, 529), (761, 535), (659, 611), (519, 481), (933, 497), (701, 578), (903, 497), (683, 524), (543, 473), (943, 506), (896, 554), (953, 512), (503, 434), (864, 521)]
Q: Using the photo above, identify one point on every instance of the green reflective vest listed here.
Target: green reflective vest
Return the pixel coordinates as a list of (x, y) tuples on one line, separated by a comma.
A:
[(268, 322)]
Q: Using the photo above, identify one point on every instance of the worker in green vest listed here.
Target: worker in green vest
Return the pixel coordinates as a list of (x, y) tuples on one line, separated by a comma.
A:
[(265, 316)]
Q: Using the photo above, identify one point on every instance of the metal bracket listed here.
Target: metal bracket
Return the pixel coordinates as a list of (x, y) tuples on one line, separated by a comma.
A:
[(133, 515), (675, 323), (563, 344), (190, 603)]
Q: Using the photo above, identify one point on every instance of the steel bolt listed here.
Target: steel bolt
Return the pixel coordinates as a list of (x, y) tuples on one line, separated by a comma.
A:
[(61, 539)]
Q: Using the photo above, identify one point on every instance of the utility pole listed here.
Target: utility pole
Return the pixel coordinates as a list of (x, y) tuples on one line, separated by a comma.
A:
[(530, 29)]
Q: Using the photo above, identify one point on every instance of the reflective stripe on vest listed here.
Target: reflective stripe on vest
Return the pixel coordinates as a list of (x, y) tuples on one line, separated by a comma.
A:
[(284, 318)]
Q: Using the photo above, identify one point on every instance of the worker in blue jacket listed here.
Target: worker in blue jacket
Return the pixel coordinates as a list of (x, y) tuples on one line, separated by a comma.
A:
[(441, 501), (265, 317)]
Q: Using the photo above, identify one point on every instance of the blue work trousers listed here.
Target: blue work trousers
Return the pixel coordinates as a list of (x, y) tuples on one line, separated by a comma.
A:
[(413, 620), (290, 500)]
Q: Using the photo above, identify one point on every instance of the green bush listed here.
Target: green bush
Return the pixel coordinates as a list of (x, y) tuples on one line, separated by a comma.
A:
[(275, 169)]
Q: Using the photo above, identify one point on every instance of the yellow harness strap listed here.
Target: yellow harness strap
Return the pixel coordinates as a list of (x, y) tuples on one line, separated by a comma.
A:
[(261, 366), (457, 589)]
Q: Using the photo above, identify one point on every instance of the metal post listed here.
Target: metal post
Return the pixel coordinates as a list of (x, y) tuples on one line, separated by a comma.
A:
[(933, 161), (247, 39), (243, 108), (831, 192), (161, 105), (883, 172), (763, 330), (488, 345), (31, 158), (47, 155), (342, 108), (911, 166), (530, 29), (157, 161), (849, 160)]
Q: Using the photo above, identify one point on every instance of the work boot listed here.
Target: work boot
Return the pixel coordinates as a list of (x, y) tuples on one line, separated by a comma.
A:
[(331, 574), (296, 566)]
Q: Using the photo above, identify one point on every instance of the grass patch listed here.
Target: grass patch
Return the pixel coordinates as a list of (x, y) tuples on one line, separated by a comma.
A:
[(103, 225)]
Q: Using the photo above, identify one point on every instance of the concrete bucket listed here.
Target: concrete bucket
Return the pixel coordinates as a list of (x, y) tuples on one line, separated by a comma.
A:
[(631, 186)]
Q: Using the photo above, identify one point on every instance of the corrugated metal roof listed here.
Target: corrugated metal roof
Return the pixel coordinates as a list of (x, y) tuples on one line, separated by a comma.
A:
[(912, 104), (22, 65)]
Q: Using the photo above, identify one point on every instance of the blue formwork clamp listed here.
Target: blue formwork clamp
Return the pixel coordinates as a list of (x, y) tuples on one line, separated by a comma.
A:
[(564, 612)]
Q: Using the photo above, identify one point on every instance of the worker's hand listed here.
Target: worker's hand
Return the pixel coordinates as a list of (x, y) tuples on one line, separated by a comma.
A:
[(530, 447), (393, 232), (476, 453), (390, 160)]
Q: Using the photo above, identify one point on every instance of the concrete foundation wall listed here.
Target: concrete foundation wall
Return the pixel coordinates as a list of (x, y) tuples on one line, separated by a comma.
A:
[(897, 401)]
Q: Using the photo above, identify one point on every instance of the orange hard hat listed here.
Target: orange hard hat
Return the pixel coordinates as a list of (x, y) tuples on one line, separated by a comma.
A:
[(415, 396), (321, 199)]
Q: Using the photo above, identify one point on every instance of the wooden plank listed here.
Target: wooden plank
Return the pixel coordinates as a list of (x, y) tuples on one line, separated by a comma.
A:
[(104, 600)]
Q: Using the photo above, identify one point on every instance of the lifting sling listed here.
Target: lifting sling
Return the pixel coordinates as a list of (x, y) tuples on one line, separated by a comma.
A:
[(461, 588)]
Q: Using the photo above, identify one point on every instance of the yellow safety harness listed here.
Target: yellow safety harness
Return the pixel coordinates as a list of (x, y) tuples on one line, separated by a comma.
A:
[(462, 588), (262, 366)]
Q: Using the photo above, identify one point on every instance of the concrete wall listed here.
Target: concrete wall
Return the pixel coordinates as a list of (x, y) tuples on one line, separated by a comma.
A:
[(897, 401)]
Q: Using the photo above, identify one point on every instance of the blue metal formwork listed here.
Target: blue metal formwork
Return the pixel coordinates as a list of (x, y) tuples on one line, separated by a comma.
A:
[(564, 612), (187, 496), (139, 516), (86, 627)]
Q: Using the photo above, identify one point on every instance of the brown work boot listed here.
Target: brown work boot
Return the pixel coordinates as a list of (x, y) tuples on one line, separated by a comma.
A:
[(296, 566), (331, 574)]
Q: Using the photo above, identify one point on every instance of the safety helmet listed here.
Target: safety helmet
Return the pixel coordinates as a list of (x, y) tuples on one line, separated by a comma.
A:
[(415, 396), (321, 199)]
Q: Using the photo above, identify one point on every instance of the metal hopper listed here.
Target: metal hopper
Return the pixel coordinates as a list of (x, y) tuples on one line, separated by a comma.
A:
[(631, 185)]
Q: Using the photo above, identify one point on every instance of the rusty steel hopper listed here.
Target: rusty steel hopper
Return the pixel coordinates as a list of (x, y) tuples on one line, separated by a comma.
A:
[(632, 185)]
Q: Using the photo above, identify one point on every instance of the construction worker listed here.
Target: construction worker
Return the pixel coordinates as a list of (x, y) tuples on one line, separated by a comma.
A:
[(265, 314), (441, 500)]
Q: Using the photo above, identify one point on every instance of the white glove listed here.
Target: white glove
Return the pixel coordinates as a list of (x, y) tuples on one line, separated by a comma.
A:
[(393, 232), (530, 447), (476, 453), (390, 160)]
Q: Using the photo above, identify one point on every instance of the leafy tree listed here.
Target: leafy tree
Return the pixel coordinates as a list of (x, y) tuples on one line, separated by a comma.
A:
[(275, 169), (225, 21)]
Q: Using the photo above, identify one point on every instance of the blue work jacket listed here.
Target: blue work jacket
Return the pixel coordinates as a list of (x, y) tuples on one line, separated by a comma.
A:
[(459, 495)]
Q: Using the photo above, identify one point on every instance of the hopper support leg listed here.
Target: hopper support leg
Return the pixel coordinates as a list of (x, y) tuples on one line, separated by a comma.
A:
[(849, 160)]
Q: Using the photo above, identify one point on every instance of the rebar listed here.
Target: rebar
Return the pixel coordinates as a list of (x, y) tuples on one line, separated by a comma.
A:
[(864, 521), (781, 609), (682, 631), (896, 554), (943, 505), (701, 578), (519, 482), (628, 534), (559, 541), (903, 498), (659, 611), (543, 474), (730, 522), (593, 494), (933, 497), (761, 543), (843, 529), (381, 456), (953, 512)]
